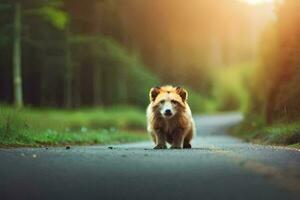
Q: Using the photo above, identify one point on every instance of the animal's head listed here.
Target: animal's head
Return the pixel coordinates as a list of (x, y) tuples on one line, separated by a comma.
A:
[(168, 100)]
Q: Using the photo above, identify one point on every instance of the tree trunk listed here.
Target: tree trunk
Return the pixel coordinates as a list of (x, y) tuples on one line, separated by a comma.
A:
[(97, 83), (68, 74), (121, 86), (17, 71), (76, 96)]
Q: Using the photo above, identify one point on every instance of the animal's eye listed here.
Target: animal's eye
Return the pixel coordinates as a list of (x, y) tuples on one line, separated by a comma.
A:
[(174, 102), (162, 102)]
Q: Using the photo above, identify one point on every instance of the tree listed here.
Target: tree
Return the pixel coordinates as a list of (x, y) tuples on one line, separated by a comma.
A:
[(17, 69), (68, 72)]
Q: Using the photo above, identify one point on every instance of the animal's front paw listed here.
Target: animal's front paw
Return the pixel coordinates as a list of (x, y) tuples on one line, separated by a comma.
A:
[(160, 146), (175, 147), (187, 146)]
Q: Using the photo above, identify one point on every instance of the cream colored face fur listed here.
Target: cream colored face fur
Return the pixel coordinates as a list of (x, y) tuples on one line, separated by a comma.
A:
[(168, 107), (168, 100)]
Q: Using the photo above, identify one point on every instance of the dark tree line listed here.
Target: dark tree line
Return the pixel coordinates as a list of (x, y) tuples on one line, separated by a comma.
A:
[(69, 56)]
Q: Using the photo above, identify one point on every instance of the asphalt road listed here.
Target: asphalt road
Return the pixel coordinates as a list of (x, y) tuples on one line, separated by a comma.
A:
[(218, 167)]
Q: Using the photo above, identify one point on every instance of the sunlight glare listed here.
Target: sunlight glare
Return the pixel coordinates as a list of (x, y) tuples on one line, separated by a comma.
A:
[(255, 2)]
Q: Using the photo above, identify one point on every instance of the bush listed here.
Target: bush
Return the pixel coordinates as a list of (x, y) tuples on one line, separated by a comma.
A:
[(200, 104)]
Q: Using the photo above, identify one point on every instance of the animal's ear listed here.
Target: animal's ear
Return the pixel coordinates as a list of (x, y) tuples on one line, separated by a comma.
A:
[(153, 93), (182, 93)]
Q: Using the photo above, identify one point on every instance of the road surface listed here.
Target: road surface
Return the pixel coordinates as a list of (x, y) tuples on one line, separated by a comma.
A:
[(218, 167)]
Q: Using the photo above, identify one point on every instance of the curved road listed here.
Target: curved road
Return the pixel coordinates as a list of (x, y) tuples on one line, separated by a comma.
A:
[(218, 167)]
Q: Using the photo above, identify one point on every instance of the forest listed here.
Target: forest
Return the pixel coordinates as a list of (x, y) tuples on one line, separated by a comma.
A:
[(111, 52), (231, 56)]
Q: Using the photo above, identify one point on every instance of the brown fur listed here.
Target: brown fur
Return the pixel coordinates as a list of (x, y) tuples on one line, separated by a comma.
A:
[(178, 130)]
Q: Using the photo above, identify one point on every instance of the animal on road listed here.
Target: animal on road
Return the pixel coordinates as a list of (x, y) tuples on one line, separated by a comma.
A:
[(169, 118)]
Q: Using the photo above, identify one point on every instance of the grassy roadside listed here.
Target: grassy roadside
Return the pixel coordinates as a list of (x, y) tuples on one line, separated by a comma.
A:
[(33, 127), (285, 134)]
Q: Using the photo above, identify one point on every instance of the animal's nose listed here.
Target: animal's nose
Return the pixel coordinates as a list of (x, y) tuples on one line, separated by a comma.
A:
[(168, 112)]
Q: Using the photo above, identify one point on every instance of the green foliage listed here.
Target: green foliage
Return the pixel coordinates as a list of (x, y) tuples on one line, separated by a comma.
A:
[(283, 134), (51, 12), (140, 81), (133, 80), (73, 138), (297, 145), (231, 87), (200, 104), (54, 127), (56, 17), (255, 129), (125, 79), (229, 91)]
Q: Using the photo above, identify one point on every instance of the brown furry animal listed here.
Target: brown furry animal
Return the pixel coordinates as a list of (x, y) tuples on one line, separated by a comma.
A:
[(169, 117)]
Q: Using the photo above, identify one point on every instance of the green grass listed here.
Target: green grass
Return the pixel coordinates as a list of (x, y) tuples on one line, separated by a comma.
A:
[(36, 127), (287, 134), (54, 138), (295, 145)]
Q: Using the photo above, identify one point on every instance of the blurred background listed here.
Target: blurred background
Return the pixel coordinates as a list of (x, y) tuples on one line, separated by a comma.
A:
[(99, 58)]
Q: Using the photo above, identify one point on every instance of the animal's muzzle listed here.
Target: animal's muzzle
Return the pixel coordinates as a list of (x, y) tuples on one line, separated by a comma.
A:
[(168, 113)]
